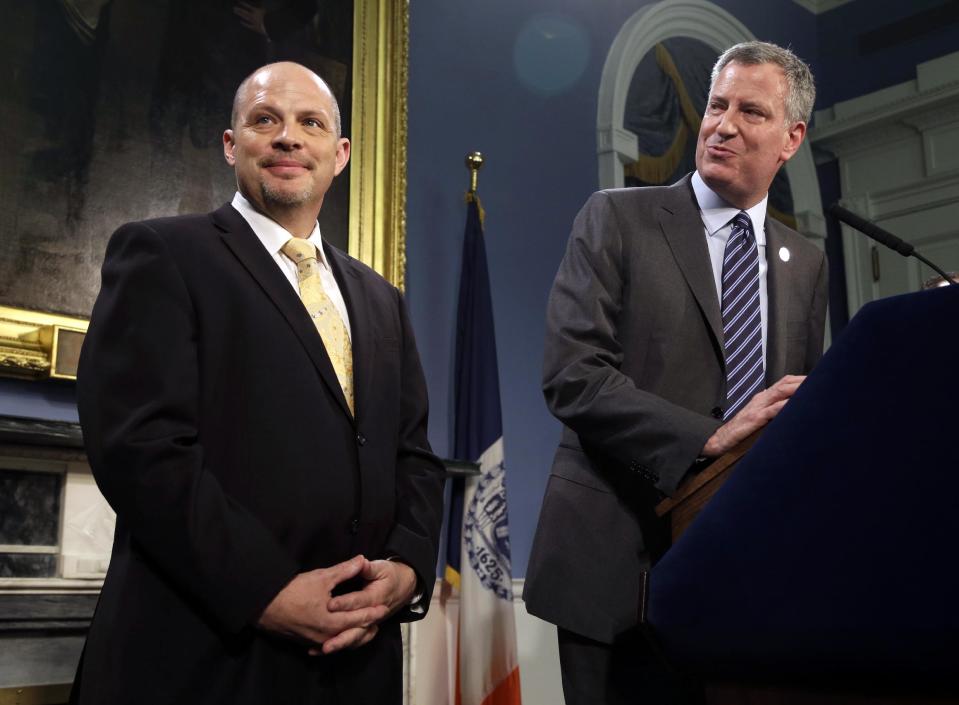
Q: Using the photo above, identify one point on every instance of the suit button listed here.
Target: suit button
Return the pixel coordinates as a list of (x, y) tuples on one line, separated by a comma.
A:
[(361, 439), (717, 412), (354, 526)]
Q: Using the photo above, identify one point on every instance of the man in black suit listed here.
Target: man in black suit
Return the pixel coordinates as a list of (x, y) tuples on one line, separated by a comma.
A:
[(642, 366), (257, 418)]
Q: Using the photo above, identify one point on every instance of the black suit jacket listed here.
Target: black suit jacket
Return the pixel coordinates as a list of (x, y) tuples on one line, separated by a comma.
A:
[(216, 429), (634, 368)]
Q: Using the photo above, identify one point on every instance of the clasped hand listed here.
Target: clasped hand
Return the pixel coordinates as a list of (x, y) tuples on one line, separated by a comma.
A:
[(306, 608)]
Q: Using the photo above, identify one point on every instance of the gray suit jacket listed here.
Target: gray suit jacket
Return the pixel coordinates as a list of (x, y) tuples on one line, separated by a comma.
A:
[(634, 369)]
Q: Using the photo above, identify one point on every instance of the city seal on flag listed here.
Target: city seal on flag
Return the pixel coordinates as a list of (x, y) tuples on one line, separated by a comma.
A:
[(486, 532)]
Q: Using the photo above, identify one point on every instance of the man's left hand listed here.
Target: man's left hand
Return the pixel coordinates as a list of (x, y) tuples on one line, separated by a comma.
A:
[(389, 583)]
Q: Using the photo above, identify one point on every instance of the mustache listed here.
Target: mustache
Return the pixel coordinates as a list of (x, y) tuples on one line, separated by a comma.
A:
[(275, 159)]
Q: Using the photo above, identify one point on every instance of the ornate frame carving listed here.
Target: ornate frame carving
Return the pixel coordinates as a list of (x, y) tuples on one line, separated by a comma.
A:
[(32, 344), (378, 171)]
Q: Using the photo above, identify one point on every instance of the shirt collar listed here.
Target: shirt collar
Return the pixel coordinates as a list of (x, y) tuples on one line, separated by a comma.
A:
[(272, 234), (716, 213)]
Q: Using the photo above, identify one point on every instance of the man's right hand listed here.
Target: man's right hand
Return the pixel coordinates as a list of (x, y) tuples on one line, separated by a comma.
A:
[(758, 412), (300, 609)]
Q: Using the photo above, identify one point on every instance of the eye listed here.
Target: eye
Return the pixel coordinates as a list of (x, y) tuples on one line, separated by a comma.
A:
[(262, 120), (312, 122)]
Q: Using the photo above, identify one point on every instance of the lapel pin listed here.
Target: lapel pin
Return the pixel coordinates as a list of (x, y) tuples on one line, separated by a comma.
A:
[(784, 254)]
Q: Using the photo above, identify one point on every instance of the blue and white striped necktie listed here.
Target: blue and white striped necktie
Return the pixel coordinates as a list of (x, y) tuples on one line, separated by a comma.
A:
[(742, 322)]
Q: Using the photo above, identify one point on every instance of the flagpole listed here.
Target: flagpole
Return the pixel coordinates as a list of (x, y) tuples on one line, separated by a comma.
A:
[(474, 162)]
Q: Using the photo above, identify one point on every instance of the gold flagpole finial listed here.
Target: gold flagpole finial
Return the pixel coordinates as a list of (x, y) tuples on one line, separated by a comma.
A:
[(474, 162)]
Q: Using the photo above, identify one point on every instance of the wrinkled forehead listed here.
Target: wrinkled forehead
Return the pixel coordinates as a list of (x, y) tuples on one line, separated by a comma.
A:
[(755, 80)]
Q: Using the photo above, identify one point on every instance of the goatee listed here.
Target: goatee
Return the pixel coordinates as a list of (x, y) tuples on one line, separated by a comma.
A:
[(282, 197)]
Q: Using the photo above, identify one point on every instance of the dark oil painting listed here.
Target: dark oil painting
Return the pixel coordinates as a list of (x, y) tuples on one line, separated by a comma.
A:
[(114, 110)]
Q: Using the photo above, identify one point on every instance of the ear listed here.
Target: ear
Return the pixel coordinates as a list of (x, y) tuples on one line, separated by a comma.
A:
[(794, 138), (342, 155), (228, 147)]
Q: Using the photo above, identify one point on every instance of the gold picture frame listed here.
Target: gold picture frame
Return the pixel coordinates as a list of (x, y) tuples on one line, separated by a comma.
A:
[(378, 176)]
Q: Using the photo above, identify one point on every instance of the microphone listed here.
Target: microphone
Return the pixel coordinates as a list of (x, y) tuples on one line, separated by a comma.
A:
[(881, 236)]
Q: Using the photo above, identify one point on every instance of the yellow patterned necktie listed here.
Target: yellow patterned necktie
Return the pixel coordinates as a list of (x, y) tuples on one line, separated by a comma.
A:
[(324, 314)]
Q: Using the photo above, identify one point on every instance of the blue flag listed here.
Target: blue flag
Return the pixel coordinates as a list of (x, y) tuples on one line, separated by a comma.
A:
[(478, 422), (478, 549)]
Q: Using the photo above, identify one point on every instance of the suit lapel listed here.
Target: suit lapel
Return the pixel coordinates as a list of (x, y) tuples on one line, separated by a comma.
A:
[(684, 230), (778, 286), (349, 279), (240, 239)]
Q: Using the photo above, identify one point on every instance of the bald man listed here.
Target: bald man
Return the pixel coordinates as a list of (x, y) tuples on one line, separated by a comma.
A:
[(255, 411)]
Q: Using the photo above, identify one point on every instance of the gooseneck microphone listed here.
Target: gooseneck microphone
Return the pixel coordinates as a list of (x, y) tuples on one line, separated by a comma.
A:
[(881, 236)]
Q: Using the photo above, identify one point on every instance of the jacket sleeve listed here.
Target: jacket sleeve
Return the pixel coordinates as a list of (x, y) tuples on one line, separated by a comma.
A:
[(583, 383), (138, 393), (420, 477)]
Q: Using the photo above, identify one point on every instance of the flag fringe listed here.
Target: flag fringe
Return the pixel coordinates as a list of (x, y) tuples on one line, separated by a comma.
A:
[(452, 576)]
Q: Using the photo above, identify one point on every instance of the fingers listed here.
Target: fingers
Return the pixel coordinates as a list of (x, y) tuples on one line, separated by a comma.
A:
[(759, 411), (368, 636), (367, 597), (786, 385), (349, 639), (342, 572), (376, 569), (376, 592), (364, 617), (331, 625), (772, 410), (352, 639), (783, 389)]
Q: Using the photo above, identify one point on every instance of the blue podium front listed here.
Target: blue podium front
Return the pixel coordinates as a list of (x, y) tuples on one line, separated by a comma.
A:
[(831, 552)]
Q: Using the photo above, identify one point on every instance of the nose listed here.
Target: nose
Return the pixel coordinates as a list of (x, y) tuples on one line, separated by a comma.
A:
[(287, 137), (727, 126)]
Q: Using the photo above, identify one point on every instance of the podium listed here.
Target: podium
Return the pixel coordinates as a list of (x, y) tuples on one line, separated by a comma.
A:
[(826, 568), (695, 493)]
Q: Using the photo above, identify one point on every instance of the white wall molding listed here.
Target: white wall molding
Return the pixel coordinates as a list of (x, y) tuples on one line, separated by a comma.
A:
[(926, 101), (933, 192), (898, 152)]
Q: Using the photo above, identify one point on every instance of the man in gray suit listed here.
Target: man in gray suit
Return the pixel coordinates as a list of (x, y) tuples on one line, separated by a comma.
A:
[(672, 312)]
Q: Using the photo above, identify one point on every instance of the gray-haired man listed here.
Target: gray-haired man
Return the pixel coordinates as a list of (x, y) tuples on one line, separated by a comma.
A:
[(681, 320)]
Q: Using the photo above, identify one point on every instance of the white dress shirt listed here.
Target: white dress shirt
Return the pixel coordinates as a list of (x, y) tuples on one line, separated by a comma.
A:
[(716, 215), (273, 236)]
